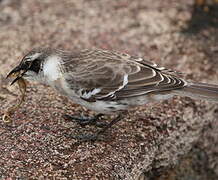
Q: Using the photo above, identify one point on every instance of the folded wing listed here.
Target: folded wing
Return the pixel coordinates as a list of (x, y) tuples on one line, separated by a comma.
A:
[(105, 75)]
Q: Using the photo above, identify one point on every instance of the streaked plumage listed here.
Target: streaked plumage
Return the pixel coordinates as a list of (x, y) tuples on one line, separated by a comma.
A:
[(107, 82), (118, 76)]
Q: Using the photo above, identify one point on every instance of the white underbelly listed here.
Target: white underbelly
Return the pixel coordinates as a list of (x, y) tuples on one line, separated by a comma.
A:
[(104, 107), (107, 107)]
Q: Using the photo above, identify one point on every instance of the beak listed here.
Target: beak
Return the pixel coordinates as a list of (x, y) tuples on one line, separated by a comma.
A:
[(16, 72)]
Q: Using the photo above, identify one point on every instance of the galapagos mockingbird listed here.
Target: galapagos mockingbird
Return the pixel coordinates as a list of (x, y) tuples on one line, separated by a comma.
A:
[(107, 82)]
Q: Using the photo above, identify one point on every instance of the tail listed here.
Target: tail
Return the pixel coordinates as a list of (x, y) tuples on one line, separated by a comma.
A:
[(200, 91)]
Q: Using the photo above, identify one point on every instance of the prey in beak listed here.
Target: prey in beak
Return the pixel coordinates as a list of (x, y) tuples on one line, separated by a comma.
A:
[(18, 73)]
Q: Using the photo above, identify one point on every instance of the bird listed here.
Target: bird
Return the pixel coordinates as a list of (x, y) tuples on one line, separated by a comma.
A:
[(107, 82)]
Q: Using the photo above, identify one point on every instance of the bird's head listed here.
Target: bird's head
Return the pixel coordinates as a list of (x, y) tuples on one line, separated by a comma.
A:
[(31, 65)]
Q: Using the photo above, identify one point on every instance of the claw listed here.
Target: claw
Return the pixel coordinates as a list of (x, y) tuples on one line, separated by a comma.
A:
[(84, 121)]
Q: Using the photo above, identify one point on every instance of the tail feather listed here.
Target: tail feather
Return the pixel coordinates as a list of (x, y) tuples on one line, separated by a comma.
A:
[(200, 91)]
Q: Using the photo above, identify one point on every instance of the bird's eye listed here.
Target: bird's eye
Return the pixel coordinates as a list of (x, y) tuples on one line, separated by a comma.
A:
[(35, 65), (28, 63)]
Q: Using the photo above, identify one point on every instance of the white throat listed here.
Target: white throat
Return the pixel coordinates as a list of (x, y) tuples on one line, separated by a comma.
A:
[(51, 68)]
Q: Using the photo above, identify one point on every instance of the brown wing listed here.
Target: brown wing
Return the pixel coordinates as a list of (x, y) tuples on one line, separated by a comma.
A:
[(105, 75)]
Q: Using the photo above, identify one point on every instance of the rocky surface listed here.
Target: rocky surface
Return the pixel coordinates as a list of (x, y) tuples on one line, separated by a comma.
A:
[(175, 139)]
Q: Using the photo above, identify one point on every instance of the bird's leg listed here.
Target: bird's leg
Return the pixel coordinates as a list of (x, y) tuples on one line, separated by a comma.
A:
[(83, 121), (94, 137), (114, 121)]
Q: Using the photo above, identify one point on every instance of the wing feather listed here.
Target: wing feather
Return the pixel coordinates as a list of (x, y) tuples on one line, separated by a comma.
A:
[(105, 75)]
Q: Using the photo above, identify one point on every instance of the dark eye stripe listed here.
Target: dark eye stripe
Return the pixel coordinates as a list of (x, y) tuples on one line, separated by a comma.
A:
[(25, 65), (35, 66)]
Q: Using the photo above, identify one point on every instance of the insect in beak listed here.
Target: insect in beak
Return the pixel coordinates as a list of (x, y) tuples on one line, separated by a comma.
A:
[(18, 72)]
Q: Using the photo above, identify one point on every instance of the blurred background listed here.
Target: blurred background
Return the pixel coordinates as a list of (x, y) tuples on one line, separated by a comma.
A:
[(181, 35)]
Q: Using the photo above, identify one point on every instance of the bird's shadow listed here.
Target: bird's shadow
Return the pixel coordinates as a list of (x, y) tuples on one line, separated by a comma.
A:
[(201, 19), (203, 26)]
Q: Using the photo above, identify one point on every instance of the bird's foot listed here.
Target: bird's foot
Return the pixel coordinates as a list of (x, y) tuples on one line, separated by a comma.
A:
[(97, 136), (84, 121)]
